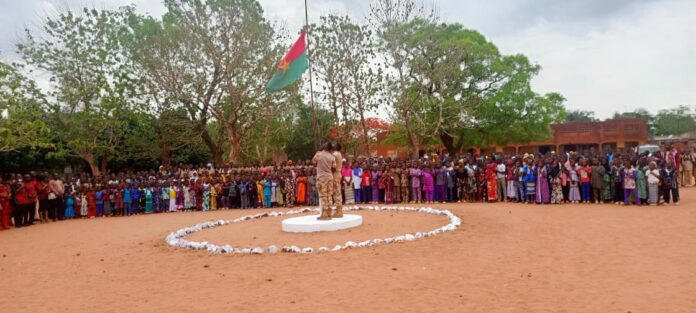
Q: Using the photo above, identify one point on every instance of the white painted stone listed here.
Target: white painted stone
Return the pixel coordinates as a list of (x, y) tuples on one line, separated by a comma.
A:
[(309, 223)]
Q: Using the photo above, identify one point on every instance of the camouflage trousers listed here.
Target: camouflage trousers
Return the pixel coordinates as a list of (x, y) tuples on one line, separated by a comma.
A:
[(337, 196), (325, 187)]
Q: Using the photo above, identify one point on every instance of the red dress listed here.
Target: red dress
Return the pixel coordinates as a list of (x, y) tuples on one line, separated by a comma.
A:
[(301, 190), (491, 181), (6, 216), (91, 204)]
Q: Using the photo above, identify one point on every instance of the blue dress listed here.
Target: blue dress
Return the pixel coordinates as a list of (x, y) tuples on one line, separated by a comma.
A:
[(69, 207)]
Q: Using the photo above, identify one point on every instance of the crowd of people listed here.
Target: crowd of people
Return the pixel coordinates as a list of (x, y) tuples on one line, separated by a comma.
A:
[(589, 177)]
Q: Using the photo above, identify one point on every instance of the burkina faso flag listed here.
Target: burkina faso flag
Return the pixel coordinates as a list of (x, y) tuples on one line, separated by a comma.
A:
[(291, 67)]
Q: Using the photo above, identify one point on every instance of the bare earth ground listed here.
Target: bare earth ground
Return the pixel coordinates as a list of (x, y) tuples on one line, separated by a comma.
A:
[(504, 258)]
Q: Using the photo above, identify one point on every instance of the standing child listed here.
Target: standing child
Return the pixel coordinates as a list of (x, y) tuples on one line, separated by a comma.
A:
[(165, 198), (670, 186), (100, 201), (428, 184), (148, 200), (244, 193), (126, 200), (375, 175), (584, 171), (172, 197), (179, 196), (267, 193), (440, 184), (135, 199), (543, 195), (106, 198), (118, 196), (91, 203), (84, 205), (70, 205), (301, 188), (357, 182), (388, 188), (653, 178), (157, 197), (366, 185), (415, 174), (530, 178), (289, 190), (629, 184), (405, 185), (213, 195), (187, 196), (573, 182)]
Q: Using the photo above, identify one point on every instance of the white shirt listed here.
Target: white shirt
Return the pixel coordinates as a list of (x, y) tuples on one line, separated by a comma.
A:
[(357, 179), (501, 171), (653, 176)]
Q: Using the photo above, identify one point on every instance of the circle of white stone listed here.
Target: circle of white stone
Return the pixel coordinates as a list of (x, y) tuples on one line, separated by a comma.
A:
[(176, 238), (310, 223)]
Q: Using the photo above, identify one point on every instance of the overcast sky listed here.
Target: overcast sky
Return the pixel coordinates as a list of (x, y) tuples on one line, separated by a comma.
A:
[(602, 55)]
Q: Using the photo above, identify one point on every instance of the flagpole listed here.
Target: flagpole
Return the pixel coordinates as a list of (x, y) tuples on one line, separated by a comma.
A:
[(315, 133)]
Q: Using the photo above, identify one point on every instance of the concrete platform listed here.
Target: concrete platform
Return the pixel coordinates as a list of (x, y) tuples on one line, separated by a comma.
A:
[(309, 223)]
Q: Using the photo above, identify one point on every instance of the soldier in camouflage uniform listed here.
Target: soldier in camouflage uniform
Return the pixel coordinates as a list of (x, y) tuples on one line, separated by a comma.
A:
[(325, 163)]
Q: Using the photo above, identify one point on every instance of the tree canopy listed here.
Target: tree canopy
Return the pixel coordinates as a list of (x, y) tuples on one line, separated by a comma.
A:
[(130, 90)]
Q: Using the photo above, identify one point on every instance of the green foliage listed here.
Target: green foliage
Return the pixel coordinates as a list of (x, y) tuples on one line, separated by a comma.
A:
[(580, 115), (300, 145), (131, 91), (675, 121), (93, 88), (351, 81), (22, 112), (464, 92)]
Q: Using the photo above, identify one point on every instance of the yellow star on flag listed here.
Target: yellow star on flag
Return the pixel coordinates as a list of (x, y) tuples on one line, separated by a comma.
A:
[(283, 65)]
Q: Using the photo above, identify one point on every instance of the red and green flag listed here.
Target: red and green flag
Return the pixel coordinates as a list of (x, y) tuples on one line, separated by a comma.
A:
[(291, 67)]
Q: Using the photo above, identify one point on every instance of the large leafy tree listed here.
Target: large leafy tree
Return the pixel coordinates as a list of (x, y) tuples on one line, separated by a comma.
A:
[(454, 85), (473, 94), (351, 80), (22, 112), (92, 86), (213, 58), (391, 19)]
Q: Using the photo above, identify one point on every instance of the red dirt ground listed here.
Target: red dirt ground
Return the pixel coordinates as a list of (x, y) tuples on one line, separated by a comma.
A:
[(504, 258)]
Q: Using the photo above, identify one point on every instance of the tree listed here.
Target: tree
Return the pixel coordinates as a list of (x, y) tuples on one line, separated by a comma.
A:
[(580, 115), (213, 58), (92, 86), (462, 90), (22, 112), (675, 121), (300, 144), (391, 19), (351, 80), (640, 113)]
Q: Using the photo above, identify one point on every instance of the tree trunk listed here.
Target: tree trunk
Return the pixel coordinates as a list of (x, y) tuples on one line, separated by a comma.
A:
[(166, 157), (215, 149), (234, 140), (448, 141), (104, 163), (89, 158)]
